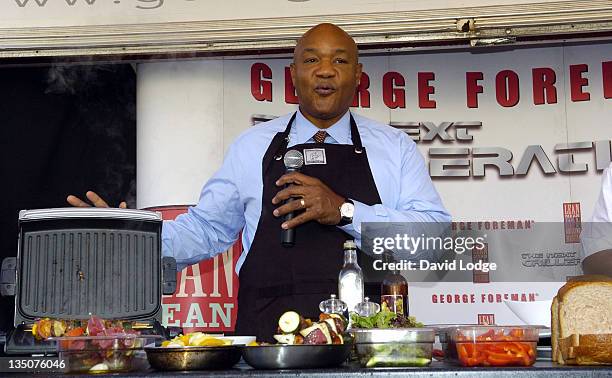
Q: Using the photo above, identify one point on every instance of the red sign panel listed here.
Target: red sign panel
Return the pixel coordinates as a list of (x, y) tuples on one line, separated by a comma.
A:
[(572, 222), (486, 319), (480, 254), (206, 298)]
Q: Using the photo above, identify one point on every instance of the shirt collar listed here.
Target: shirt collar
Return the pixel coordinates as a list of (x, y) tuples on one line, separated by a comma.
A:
[(340, 130)]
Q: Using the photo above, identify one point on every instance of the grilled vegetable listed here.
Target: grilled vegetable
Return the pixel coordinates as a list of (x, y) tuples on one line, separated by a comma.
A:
[(288, 339), (294, 329), (59, 327), (76, 344), (289, 322), (338, 320), (318, 333), (43, 329)]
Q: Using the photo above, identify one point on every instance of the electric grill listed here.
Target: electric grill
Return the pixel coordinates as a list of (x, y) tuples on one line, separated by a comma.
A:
[(76, 262)]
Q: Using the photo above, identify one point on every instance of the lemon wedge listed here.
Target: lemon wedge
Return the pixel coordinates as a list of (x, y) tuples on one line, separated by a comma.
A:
[(211, 342), (176, 343), (196, 338)]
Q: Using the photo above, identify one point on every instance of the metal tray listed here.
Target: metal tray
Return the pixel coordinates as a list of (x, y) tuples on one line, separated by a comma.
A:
[(296, 356), (193, 358), (393, 335)]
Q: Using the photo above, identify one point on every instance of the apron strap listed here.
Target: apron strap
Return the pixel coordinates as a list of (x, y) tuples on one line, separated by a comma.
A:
[(282, 139), (355, 137), (278, 145)]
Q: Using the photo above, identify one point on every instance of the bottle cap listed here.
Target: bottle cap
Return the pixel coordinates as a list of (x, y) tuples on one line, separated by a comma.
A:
[(367, 308), (332, 305), (350, 244)]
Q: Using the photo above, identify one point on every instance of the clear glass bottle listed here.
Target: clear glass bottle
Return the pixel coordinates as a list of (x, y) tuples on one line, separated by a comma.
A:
[(350, 279), (394, 291)]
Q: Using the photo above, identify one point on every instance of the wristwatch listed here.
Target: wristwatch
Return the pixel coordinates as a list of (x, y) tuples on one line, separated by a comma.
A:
[(347, 209)]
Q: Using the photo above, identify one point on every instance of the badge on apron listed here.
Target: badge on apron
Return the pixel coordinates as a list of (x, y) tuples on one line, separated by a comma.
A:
[(314, 156)]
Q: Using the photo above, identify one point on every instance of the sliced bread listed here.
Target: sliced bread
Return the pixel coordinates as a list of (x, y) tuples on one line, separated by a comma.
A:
[(582, 322)]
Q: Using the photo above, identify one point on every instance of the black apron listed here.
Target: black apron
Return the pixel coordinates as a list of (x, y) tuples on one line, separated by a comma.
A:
[(275, 279)]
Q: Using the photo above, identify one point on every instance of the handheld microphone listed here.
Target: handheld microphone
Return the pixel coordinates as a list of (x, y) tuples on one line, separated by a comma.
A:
[(294, 160)]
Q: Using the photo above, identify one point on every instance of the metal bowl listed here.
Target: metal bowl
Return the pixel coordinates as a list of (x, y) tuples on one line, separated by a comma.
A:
[(296, 356), (193, 358)]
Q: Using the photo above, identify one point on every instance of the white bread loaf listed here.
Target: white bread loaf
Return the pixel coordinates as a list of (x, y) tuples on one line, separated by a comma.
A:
[(582, 322)]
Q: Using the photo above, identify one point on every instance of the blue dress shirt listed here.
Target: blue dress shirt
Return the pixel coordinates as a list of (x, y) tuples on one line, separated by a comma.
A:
[(231, 200)]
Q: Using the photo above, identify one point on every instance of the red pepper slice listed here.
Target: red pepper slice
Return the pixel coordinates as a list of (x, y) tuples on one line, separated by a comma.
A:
[(487, 335), (517, 333), (74, 345), (470, 349), (504, 360), (475, 361)]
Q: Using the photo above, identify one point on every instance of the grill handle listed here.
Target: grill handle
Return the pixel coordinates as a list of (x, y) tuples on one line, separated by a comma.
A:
[(168, 275), (8, 276)]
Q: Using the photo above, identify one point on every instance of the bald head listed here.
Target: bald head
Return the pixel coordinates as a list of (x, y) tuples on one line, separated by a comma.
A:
[(323, 32), (325, 72)]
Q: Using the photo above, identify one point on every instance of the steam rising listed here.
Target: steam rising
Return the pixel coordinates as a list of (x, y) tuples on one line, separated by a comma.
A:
[(104, 98)]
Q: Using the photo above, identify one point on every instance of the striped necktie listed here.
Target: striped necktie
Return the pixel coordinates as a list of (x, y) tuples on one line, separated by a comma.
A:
[(320, 136)]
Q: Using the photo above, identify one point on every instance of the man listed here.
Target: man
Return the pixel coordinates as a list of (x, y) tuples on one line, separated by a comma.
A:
[(370, 173), (599, 260)]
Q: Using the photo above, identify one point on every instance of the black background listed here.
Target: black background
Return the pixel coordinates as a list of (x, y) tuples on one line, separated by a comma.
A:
[(64, 129)]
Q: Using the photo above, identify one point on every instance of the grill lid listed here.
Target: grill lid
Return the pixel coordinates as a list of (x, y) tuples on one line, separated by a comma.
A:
[(75, 262), (88, 213)]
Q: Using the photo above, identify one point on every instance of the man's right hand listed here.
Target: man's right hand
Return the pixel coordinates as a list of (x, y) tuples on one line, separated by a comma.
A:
[(94, 198)]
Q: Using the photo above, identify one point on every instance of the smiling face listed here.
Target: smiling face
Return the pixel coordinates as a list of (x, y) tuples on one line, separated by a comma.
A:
[(325, 73)]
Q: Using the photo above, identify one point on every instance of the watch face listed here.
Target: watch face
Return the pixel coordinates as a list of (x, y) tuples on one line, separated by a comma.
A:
[(347, 209)]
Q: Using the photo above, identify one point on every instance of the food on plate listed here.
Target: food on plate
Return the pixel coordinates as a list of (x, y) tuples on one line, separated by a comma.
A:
[(582, 322), (195, 339), (384, 319), (95, 345), (495, 348), (293, 329), (42, 329), (289, 322)]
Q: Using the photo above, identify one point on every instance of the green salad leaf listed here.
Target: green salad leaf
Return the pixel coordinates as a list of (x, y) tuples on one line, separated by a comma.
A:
[(384, 319)]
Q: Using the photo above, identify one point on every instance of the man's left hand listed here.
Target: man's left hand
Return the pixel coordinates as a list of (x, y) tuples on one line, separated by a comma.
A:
[(310, 194)]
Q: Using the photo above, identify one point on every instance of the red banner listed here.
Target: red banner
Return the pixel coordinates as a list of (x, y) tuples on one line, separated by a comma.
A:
[(206, 297)]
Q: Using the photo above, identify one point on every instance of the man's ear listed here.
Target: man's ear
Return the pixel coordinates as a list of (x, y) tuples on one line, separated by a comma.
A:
[(358, 71), (292, 70)]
